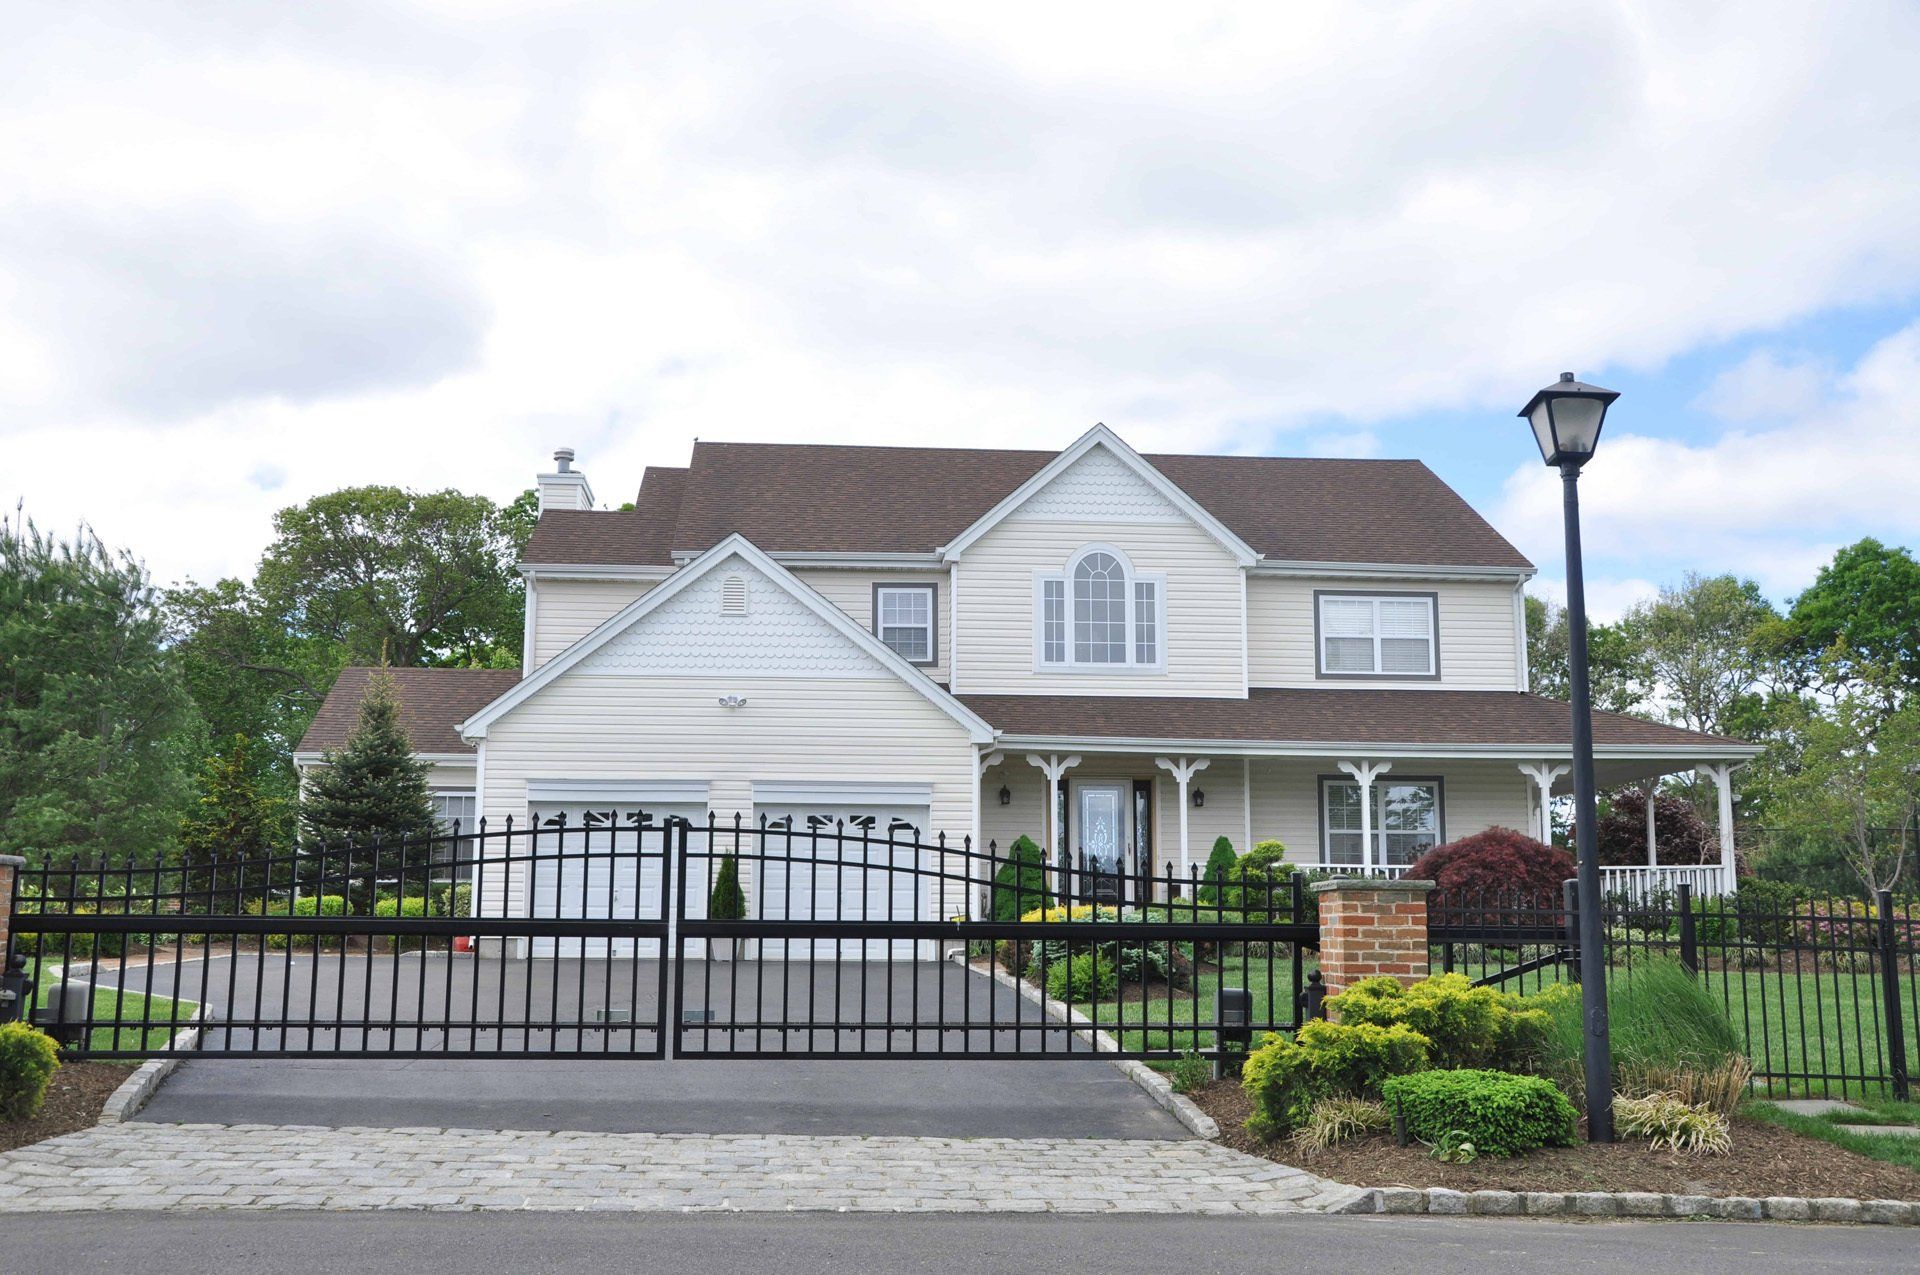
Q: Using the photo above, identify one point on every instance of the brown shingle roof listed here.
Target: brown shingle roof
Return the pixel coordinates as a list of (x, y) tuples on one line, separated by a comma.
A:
[(641, 536), (794, 497), (1313, 715), (433, 703)]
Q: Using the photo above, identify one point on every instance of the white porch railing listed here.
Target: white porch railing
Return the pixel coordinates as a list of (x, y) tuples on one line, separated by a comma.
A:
[(1708, 880)]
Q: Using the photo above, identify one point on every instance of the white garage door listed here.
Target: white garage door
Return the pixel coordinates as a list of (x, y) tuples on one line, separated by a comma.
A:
[(833, 861), (605, 864)]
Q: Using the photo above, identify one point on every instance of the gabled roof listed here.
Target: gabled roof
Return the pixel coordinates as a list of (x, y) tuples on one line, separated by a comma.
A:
[(795, 498), (475, 727), (433, 703), (1102, 437)]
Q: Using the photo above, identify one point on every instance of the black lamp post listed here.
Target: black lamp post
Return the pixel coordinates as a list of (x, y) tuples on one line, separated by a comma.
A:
[(1566, 419)]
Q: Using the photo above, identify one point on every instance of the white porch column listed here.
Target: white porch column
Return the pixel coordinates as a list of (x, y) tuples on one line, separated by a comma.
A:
[(1543, 774), (1722, 776), (1183, 770), (1364, 773), (1053, 766), (983, 762), (1652, 789)]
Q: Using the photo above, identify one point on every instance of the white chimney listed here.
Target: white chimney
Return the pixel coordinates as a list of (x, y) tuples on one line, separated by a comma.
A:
[(566, 487)]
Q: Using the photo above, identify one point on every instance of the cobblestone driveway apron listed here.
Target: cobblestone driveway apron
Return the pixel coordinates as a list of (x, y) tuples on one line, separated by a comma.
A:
[(198, 1166)]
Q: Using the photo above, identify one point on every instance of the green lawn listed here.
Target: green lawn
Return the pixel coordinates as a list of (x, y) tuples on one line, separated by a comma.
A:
[(117, 1017), (1891, 1147), (1164, 1019)]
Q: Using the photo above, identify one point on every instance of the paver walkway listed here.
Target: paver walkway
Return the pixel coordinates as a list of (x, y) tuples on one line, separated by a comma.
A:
[(198, 1166)]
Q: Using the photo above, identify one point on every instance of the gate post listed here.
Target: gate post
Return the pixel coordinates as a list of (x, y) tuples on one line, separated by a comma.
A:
[(1371, 926), (1889, 945)]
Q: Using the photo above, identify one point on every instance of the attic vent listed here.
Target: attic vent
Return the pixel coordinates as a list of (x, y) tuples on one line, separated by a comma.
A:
[(733, 595)]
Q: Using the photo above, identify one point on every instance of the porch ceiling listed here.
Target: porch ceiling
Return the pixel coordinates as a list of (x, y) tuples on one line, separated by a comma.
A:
[(1482, 723)]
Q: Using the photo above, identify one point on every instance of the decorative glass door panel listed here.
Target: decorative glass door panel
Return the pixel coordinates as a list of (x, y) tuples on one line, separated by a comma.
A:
[(1102, 839)]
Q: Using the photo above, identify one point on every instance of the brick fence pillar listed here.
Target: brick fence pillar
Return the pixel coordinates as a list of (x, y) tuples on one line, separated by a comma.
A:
[(1369, 926), (10, 866)]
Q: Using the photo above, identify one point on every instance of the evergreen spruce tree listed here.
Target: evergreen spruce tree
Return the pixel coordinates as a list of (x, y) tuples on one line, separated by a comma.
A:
[(1219, 870), (233, 822), (372, 793)]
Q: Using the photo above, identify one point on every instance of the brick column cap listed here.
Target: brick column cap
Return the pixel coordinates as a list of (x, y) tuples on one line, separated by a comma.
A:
[(1374, 884), (12, 861)]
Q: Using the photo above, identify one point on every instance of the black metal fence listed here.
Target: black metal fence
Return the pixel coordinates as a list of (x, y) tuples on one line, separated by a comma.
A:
[(1824, 994), (620, 937)]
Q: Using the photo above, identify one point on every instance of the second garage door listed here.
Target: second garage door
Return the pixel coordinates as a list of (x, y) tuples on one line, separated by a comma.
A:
[(844, 861)]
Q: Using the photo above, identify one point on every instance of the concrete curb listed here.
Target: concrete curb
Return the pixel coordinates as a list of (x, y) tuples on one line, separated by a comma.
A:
[(138, 1089), (1157, 1086), (1636, 1204)]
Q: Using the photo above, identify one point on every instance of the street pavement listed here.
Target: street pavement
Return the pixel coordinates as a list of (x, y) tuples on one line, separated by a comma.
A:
[(833, 1244)]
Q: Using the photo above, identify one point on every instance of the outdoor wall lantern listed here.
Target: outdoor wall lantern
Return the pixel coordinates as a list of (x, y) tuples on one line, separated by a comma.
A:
[(1006, 795), (1566, 418), (1199, 798)]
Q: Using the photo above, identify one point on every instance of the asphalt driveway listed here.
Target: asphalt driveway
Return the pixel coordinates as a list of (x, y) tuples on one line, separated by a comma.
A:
[(378, 1003)]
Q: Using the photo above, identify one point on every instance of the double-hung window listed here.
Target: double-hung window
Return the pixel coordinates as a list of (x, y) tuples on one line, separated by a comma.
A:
[(903, 618), (1377, 635), (1099, 613), (1406, 821)]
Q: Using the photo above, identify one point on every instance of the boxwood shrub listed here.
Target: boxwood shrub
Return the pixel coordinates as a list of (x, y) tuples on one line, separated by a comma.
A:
[(1499, 1112), (28, 1059), (1088, 976)]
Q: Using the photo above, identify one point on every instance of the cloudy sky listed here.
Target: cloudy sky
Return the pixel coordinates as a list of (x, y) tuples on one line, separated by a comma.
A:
[(254, 251)]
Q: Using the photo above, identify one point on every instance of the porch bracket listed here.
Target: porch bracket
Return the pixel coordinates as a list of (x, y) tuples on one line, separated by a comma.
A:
[(1053, 766), (1543, 773), (1183, 770), (1364, 773)]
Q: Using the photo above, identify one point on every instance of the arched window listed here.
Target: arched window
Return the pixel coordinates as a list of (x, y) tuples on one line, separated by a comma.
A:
[(1099, 613)]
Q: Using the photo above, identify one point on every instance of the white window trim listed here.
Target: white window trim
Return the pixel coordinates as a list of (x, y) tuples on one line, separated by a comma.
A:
[(1064, 577), (1320, 599), (1375, 855), (882, 588)]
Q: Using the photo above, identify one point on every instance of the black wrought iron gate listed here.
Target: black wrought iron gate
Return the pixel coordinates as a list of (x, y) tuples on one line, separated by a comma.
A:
[(621, 936)]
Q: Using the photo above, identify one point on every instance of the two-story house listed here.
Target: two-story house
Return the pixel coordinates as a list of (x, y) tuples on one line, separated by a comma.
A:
[(1122, 656)]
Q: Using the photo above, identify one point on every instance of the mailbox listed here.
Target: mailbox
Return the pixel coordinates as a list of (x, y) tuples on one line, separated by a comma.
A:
[(64, 1011), (1234, 1007), (15, 988)]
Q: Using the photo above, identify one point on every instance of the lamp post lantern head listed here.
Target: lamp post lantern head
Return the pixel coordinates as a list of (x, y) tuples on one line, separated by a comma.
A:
[(1566, 419)]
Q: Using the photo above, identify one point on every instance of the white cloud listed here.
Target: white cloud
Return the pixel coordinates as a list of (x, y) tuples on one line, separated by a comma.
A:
[(427, 243), (1769, 503)]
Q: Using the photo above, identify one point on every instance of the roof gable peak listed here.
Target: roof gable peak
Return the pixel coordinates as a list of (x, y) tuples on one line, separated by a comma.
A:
[(1102, 438)]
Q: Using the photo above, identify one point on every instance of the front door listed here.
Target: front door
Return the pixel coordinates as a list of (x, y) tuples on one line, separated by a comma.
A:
[(1102, 865)]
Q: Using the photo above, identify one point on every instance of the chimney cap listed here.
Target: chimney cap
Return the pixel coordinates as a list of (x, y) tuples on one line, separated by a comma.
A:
[(563, 457)]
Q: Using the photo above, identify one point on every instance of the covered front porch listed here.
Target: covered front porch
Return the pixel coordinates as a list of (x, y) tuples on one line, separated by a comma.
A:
[(1113, 811)]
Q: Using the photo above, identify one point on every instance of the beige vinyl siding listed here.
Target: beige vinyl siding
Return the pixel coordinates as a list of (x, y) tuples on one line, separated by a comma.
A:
[(1474, 796), (852, 592), (995, 652), (1477, 638), (451, 776), (567, 610), (673, 728)]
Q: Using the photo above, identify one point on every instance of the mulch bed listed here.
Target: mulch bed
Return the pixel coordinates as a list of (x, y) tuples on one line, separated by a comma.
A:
[(1765, 1160), (74, 1098)]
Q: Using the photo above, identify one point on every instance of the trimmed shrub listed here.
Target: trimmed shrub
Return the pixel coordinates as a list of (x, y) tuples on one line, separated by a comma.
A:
[(402, 908), (1087, 977), (1285, 1076), (307, 905), (1222, 867), (1020, 885), (1498, 1112), (726, 901), (451, 900), (28, 1059), (1496, 864), (1263, 884), (1466, 1026)]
